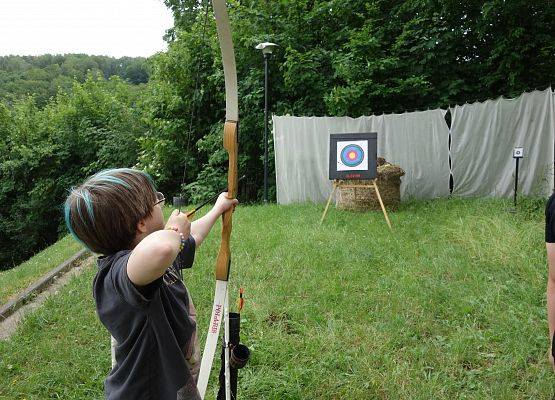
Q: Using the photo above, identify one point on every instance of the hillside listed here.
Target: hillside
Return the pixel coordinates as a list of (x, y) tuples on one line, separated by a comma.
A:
[(43, 76)]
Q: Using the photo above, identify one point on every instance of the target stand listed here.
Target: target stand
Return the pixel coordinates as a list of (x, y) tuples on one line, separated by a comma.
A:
[(372, 184), (353, 156)]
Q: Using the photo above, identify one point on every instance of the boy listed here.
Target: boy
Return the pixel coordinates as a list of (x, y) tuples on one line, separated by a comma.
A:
[(139, 291)]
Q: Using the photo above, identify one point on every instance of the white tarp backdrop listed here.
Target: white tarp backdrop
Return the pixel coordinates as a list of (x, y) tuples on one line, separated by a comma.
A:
[(419, 143), (301, 146), (483, 136)]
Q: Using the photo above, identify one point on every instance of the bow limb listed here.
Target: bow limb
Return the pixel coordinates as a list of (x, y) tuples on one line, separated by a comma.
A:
[(230, 130), (228, 60), (223, 261)]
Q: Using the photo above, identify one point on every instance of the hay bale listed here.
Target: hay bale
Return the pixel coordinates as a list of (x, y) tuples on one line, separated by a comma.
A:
[(364, 199)]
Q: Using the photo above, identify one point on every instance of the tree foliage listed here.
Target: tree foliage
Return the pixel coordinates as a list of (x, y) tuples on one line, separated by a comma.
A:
[(43, 152), (43, 76), (343, 58)]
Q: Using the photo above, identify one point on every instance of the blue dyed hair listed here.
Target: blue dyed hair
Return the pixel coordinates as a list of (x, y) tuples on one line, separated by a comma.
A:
[(103, 212)]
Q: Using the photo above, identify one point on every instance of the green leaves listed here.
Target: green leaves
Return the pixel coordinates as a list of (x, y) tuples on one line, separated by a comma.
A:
[(42, 76), (44, 152)]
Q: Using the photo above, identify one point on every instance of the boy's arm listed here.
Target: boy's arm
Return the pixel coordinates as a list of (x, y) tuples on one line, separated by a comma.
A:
[(551, 293), (202, 226), (153, 256)]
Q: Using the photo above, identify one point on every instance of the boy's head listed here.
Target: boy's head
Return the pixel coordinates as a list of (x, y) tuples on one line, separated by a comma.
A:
[(107, 210)]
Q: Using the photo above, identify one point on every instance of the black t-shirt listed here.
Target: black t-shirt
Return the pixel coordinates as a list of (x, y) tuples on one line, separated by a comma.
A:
[(152, 327), (550, 220)]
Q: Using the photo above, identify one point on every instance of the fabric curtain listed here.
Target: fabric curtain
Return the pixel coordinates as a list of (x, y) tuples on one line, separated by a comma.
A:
[(483, 138), (419, 143), (301, 146)]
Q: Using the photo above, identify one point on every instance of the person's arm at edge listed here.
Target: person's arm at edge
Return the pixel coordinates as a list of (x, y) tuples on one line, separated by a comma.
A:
[(551, 294)]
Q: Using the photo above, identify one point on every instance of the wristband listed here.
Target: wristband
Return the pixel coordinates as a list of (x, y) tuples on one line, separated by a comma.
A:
[(181, 237), (182, 244)]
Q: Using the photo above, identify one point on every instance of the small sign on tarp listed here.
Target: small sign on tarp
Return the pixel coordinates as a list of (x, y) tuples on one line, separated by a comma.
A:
[(518, 152)]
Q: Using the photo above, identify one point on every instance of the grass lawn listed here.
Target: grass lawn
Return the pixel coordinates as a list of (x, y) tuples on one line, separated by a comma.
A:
[(450, 305), (14, 280)]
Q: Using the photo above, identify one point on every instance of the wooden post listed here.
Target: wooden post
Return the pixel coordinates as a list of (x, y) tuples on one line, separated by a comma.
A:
[(329, 201), (381, 204), (336, 184)]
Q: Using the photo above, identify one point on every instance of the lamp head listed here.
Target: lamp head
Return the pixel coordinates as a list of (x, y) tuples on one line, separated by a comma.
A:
[(266, 47)]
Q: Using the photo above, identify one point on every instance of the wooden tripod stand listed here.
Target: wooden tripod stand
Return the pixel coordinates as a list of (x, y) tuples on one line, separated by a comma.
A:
[(373, 184)]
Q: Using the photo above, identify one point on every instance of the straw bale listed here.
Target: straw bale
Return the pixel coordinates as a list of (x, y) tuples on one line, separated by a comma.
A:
[(364, 199)]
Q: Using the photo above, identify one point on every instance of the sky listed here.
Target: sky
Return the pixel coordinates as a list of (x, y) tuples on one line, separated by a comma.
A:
[(114, 28)]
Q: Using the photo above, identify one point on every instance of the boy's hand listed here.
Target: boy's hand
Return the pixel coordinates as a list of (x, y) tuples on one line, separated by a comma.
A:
[(179, 220), (223, 203)]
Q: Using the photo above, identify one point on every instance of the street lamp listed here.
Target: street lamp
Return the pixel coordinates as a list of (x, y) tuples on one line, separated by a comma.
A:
[(267, 49)]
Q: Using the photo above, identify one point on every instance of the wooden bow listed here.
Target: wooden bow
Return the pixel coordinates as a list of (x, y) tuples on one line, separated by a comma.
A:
[(230, 140)]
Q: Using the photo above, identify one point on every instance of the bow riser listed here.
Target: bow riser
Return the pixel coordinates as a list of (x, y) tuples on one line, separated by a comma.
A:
[(223, 261)]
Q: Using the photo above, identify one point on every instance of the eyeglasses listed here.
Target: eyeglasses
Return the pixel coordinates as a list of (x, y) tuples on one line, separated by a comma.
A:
[(161, 199)]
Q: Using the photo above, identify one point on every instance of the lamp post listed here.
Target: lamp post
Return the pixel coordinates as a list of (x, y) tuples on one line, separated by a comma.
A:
[(267, 49)]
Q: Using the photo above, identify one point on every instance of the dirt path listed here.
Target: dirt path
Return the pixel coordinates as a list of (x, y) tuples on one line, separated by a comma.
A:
[(10, 324)]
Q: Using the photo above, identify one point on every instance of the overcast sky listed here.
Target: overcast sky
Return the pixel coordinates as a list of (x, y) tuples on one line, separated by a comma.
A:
[(101, 27)]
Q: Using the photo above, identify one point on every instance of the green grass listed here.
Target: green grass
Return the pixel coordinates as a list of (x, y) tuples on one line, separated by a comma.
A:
[(450, 305), (15, 280)]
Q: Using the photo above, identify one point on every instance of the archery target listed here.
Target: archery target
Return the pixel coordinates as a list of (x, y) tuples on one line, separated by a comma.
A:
[(352, 155)]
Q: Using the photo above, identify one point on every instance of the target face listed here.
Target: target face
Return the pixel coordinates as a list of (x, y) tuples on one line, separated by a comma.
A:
[(352, 155)]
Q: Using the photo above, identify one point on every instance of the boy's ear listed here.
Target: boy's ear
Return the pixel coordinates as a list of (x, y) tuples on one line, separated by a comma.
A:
[(141, 226)]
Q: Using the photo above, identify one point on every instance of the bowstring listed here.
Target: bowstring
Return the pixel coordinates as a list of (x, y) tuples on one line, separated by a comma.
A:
[(194, 107), (194, 111)]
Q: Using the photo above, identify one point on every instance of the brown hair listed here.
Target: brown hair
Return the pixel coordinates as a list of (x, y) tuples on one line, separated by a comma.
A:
[(104, 211)]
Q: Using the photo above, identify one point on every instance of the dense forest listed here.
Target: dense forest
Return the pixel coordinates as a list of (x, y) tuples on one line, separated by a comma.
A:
[(42, 77), (334, 58)]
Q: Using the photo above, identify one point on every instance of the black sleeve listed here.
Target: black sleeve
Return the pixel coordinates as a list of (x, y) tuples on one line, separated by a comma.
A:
[(133, 295), (186, 257), (550, 220)]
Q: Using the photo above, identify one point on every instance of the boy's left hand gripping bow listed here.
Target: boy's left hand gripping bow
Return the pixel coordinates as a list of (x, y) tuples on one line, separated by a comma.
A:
[(230, 140)]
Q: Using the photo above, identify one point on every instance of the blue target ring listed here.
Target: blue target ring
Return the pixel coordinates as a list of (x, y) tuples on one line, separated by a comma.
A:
[(352, 155)]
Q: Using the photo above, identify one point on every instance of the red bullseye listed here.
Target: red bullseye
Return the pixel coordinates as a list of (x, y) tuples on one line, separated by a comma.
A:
[(352, 155)]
